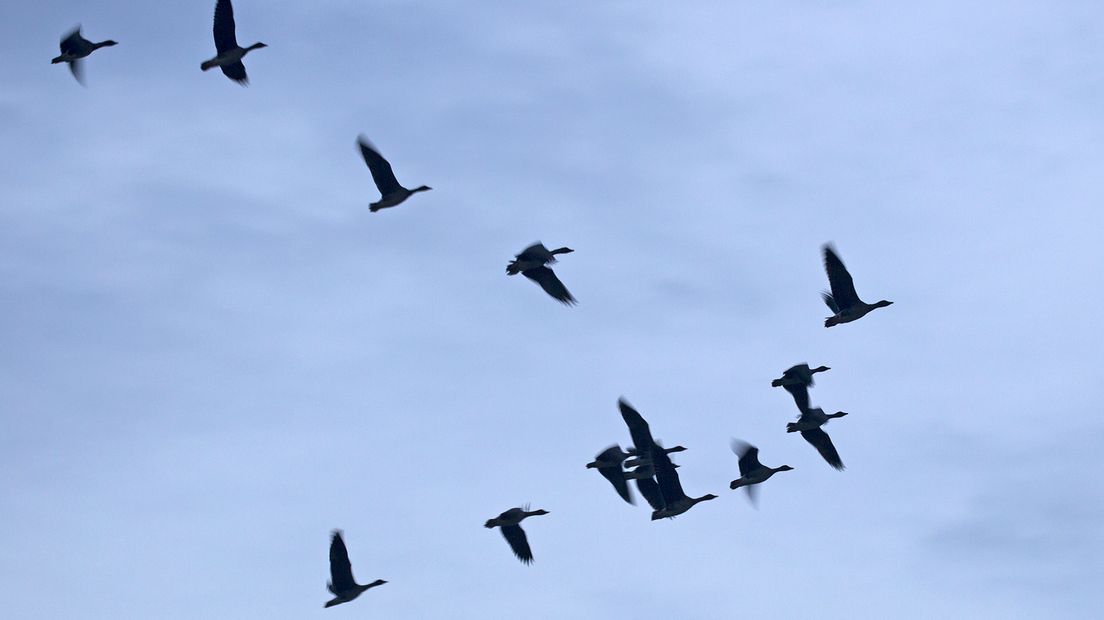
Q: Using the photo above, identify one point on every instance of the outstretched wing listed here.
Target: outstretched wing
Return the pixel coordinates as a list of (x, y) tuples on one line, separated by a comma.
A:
[(823, 443), (72, 43), (638, 427), (537, 251), (224, 28), (76, 67), (666, 476), (515, 536), (341, 570), (649, 488), (548, 281), (235, 71), (843, 287), (617, 478), (382, 174), (800, 395), (749, 457)]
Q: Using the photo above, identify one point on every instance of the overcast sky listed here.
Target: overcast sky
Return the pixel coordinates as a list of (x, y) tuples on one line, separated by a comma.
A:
[(212, 354)]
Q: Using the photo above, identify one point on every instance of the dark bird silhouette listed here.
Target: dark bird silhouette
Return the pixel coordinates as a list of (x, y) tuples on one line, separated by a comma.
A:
[(675, 501), (843, 301), (342, 584), (509, 523), (532, 263), (229, 53), (608, 463), (391, 193), (797, 380), (74, 47), (649, 490), (809, 425), (752, 472)]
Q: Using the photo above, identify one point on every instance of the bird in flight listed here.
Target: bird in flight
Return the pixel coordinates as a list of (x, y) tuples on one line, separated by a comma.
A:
[(391, 192), (843, 301), (230, 54), (74, 47), (342, 585), (509, 523), (532, 263)]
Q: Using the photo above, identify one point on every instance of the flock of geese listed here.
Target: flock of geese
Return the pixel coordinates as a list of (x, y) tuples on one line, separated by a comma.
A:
[(646, 463)]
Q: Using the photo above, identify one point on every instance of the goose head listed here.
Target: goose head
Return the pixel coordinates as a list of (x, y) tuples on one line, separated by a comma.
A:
[(820, 369), (704, 498), (838, 414), (378, 582), (256, 46), (564, 250), (881, 304), (421, 188), (107, 43), (536, 513), (783, 468)]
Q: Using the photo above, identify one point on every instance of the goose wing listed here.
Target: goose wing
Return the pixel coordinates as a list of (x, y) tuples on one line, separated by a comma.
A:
[(382, 174), (76, 67), (341, 570), (823, 443), (649, 488), (235, 71), (843, 287), (800, 395), (669, 486), (515, 536), (749, 457), (224, 28), (537, 251), (616, 476), (638, 427), (548, 281), (73, 43)]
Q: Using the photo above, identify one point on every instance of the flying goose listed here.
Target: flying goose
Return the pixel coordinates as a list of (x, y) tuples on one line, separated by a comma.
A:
[(752, 472), (608, 463), (74, 47), (843, 301), (675, 501), (391, 193), (796, 380), (509, 522), (342, 584), (229, 56), (809, 425), (532, 263)]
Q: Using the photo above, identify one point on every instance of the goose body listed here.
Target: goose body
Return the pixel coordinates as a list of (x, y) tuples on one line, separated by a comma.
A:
[(608, 463), (509, 522), (843, 301), (532, 263), (229, 54), (74, 47), (391, 192), (809, 425), (342, 585)]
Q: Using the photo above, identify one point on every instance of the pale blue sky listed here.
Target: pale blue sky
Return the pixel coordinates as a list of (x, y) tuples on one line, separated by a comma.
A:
[(211, 353)]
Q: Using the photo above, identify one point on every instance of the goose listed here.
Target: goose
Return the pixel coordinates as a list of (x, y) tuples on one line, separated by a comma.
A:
[(843, 301), (752, 472), (342, 584), (509, 522), (608, 463), (391, 193), (800, 374), (534, 256), (229, 57), (809, 425), (641, 434), (532, 263), (74, 47), (675, 501)]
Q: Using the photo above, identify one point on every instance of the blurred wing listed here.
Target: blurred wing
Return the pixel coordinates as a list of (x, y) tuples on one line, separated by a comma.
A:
[(828, 301), (235, 71), (638, 427), (382, 174), (650, 490), (77, 68), (224, 27), (617, 478), (666, 476), (800, 395), (749, 458), (548, 281), (341, 571), (515, 536), (753, 494), (71, 43), (843, 288), (537, 251), (823, 443)]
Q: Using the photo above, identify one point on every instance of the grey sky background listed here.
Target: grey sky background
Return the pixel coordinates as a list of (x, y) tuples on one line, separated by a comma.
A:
[(213, 354)]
